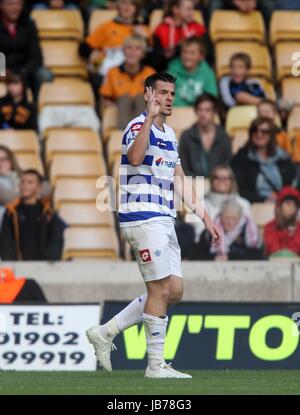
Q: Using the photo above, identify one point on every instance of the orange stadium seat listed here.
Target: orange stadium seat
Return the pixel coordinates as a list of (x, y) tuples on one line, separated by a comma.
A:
[(72, 141), (90, 242), (66, 92), (58, 24), (233, 25), (181, 119), (239, 118), (261, 61), (109, 121), (20, 141), (114, 146), (78, 214), (30, 161), (285, 25), (100, 16), (156, 18), (77, 166), (290, 88), (293, 125), (284, 52), (62, 58), (75, 190)]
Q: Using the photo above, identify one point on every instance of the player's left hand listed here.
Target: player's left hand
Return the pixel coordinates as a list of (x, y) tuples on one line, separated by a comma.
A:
[(214, 231)]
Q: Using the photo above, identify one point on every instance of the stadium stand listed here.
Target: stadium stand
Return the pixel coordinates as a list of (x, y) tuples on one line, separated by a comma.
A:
[(20, 141), (74, 190), (100, 16), (290, 88), (293, 124), (239, 118), (156, 18), (87, 215), (283, 57), (284, 26), (114, 147)]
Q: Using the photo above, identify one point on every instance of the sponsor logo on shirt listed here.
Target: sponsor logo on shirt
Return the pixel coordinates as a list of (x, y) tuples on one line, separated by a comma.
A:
[(160, 161)]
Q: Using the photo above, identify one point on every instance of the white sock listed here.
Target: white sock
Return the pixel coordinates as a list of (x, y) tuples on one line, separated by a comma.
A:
[(129, 316), (155, 329)]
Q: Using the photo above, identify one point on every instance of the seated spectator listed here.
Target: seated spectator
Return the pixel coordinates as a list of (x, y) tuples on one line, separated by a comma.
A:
[(31, 230), (238, 88), (123, 85), (178, 24), (287, 5), (205, 145), (104, 47), (193, 74), (20, 44), (15, 290), (9, 179), (56, 5), (240, 236), (15, 111), (223, 187), (282, 235), (261, 167)]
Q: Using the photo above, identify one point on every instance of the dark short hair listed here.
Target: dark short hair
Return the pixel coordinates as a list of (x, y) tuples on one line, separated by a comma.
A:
[(244, 57), (195, 40), (204, 98), (35, 173), (272, 144), (159, 76), (268, 101)]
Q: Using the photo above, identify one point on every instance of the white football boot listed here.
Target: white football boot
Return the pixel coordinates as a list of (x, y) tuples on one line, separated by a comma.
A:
[(102, 347), (165, 371)]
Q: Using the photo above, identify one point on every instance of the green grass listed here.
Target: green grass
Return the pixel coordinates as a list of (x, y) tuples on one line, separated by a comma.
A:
[(133, 383)]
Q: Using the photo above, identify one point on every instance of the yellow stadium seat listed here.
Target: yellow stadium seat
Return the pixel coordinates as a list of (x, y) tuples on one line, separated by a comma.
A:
[(20, 141), (72, 141), (291, 90), (260, 57), (284, 52), (82, 166), (63, 59), (285, 25), (114, 146), (90, 243), (293, 125), (181, 119), (100, 16), (75, 190), (268, 88), (156, 18), (233, 25), (30, 161), (239, 139), (240, 118), (66, 92), (58, 24), (78, 214), (109, 121)]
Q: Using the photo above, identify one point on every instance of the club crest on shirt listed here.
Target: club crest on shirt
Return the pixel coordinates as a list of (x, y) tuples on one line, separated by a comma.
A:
[(145, 255)]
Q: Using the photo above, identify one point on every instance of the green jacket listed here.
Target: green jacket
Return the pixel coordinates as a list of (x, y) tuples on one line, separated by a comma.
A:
[(190, 85)]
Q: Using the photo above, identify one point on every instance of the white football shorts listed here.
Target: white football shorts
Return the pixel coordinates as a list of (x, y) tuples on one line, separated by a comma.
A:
[(156, 249)]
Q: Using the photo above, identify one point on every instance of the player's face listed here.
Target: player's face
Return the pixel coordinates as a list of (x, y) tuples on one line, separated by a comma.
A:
[(165, 93)]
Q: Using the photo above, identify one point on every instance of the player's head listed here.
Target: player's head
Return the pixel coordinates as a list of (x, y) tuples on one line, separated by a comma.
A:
[(163, 84)]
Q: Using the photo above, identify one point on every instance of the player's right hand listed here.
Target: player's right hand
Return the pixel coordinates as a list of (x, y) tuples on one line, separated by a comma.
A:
[(153, 105)]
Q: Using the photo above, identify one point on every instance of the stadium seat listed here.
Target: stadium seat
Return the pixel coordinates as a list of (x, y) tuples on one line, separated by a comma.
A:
[(239, 139), (240, 118), (268, 88), (109, 121), (63, 59), (293, 125), (75, 190), (261, 61), (78, 214), (181, 119), (30, 161), (72, 141), (66, 92), (284, 58), (100, 16), (81, 166), (20, 141), (262, 213), (58, 24), (285, 25), (156, 18), (233, 25), (114, 146), (90, 243), (290, 88)]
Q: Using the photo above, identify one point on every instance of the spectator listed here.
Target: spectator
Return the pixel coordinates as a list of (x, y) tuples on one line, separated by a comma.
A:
[(15, 111), (104, 47), (56, 5), (282, 235), (205, 145), (261, 167), (238, 88), (124, 85), (9, 179), (194, 76), (178, 24), (20, 44), (240, 236), (31, 230), (15, 290)]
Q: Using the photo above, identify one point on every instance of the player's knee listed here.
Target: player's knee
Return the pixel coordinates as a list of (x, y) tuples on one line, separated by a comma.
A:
[(175, 296)]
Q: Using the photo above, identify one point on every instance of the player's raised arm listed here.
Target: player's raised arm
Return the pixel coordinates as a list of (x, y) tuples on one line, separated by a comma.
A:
[(189, 199), (136, 152)]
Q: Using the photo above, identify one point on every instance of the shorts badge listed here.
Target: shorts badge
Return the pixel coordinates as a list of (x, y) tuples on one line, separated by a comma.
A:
[(145, 255)]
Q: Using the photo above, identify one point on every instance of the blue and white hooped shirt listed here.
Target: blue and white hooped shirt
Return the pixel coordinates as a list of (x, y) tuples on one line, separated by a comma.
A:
[(146, 192)]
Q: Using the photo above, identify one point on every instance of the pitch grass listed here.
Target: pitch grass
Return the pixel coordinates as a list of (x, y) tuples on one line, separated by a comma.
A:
[(233, 382)]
